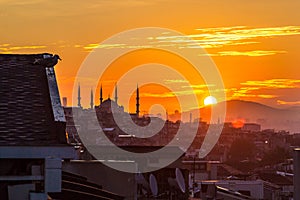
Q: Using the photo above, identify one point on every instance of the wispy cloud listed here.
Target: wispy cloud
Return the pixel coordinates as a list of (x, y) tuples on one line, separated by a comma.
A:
[(257, 88), (274, 83), (104, 46), (226, 36), (7, 48), (249, 92), (266, 96), (91, 47), (170, 81), (217, 37), (247, 53), (173, 94), (220, 29), (198, 86), (244, 92), (281, 102), (190, 92), (158, 95)]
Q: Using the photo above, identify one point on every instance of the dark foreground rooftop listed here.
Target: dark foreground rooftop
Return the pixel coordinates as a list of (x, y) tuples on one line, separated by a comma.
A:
[(30, 110)]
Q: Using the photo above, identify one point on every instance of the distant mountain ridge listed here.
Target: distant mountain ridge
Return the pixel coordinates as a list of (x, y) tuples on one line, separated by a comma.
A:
[(252, 112)]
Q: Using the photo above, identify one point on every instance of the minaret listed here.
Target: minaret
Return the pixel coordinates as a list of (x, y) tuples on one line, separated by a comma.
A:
[(137, 101), (116, 93), (79, 97), (101, 95), (167, 115), (92, 99)]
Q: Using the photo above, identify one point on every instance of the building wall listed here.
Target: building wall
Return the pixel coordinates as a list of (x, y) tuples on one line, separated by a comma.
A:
[(297, 173), (121, 183), (251, 127), (256, 188)]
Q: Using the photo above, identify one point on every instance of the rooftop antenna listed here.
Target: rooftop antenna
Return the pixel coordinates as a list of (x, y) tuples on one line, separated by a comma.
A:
[(92, 99), (137, 100), (79, 97), (116, 93), (101, 95), (167, 115)]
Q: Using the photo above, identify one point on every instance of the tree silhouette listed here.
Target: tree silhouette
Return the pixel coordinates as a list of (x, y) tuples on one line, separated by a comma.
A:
[(275, 156), (241, 149)]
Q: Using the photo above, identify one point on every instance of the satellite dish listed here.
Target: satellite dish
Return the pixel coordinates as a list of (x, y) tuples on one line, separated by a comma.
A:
[(180, 180), (153, 185), (140, 179)]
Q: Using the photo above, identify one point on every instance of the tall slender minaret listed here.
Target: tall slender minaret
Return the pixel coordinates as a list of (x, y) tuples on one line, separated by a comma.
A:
[(101, 95), (79, 97), (116, 93), (167, 115), (137, 101), (92, 99)]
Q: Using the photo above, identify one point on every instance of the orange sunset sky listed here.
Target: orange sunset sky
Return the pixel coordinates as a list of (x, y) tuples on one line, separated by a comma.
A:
[(254, 44)]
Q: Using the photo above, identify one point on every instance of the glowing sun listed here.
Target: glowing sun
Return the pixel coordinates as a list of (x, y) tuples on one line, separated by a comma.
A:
[(210, 100)]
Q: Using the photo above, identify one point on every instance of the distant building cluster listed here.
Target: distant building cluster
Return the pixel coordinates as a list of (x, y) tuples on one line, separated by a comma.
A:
[(219, 165)]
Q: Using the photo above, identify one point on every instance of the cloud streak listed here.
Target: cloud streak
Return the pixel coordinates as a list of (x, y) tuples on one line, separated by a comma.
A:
[(228, 36), (274, 83), (180, 81), (254, 88), (7, 48), (291, 103), (103, 46), (249, 92), (247, 53), (174, 93), (210, 38)]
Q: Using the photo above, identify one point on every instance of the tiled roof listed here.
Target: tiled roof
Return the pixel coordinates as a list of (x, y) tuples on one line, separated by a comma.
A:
[(26, 107)]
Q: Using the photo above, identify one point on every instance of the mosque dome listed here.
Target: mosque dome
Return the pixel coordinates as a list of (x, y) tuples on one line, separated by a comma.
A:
[(108, 104)]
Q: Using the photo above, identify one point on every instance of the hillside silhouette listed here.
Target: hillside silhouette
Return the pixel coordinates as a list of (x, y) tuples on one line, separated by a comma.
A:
[(251, 112)]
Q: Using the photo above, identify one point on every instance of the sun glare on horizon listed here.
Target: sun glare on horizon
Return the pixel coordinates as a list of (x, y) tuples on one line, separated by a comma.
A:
[(210, 100)]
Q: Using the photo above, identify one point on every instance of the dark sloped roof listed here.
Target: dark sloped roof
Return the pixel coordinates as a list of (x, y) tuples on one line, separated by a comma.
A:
[(26, 107), (75, 186), (276, 179)]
